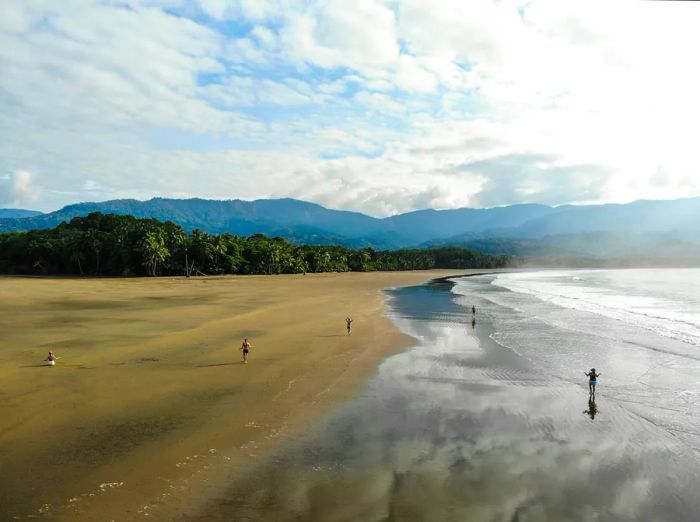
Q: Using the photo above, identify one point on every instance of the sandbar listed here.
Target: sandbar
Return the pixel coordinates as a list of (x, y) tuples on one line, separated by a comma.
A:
[(149, 409)]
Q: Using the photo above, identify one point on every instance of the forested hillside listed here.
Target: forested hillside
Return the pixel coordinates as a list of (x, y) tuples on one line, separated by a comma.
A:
[(109, 244), (518, 229)]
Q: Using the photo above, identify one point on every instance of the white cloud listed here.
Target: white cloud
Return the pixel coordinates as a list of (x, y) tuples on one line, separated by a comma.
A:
[(13, 18), (105, 65), (17, 189), (410, 76), (381, 106), (249, 9), (379, 102), (265, 36), (241, 91), (333, 35)]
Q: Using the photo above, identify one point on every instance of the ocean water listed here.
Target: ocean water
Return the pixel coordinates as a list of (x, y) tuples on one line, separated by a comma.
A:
[(639, 327), (492, 420)]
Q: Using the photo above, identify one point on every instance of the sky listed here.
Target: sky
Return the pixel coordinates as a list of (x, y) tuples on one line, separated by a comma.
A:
[(378, 106)]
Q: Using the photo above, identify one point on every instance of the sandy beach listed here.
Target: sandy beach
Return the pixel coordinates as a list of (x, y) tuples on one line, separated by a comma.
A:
[(149, 402), (463, 427)]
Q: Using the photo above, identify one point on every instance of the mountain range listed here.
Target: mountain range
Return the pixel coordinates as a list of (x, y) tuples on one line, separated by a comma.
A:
[(534, 230), (17, 213)]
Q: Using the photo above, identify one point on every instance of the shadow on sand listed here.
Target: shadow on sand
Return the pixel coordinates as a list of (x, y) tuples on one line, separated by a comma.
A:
[(64, 365), (218, 364)]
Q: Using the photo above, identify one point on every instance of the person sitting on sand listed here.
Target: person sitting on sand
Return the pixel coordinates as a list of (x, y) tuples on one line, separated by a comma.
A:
[(246, 348), (51, 359), (592, 380), (348, 323)]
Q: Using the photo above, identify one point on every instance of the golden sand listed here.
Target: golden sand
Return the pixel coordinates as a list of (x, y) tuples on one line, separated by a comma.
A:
[(149, 408)]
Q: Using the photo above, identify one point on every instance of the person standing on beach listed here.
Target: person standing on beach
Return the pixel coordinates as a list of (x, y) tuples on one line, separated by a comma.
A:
[(473, 310), (348, 323), (592, 380), (246, 348), (51, 359)]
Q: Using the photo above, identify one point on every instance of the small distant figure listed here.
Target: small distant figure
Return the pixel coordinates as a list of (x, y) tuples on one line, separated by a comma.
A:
[(592, 380), (592, 408), (348, 324), (473, 310), (246, 349), (51, 359), (473, 322)]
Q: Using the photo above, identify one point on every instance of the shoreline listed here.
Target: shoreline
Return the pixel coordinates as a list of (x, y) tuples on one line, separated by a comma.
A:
[(168, 408), (462, 426), (300, 479)]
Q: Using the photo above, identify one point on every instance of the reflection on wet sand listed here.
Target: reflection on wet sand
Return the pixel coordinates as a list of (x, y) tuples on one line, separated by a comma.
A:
[(461, 429), (592, 410)]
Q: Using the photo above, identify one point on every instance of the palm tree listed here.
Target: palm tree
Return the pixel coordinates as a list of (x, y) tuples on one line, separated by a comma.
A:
[(154, 251)]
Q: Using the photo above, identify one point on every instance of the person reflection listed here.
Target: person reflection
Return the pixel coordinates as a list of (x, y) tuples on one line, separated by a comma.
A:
[(473, 322), (592, 410)]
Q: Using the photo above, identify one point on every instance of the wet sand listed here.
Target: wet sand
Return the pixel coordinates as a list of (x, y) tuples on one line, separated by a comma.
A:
[(460, 427), (149, 411)]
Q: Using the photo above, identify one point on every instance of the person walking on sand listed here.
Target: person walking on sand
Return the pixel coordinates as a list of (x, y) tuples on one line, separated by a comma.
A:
[(592, 380), (348, 323), (246, 348), (51, 359)]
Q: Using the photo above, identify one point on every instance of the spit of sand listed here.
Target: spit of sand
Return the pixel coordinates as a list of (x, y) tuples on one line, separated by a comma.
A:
[(149, 410)]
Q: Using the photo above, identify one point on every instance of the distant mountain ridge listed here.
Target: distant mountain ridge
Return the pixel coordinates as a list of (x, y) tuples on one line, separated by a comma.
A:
[(293, 219), (638, 216), (527, 229), (591, 245), (17, 213), (235, 216)]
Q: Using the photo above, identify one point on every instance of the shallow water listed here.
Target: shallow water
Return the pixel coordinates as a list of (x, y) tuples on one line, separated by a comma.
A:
[(493, 422), (641, 328)]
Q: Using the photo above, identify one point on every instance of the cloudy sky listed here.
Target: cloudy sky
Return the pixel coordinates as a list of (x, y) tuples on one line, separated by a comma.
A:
[(381, 106)]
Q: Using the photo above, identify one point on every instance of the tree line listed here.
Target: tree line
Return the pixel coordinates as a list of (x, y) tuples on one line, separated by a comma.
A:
[(122, 245)]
